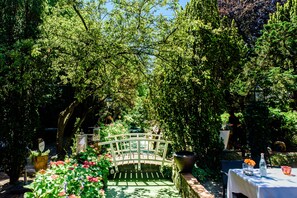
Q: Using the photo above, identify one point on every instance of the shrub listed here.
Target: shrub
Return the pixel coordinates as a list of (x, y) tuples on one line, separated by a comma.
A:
[(114, 128), (73, 177), (280, 159), (202, 175), (283, 127), (167, 171)]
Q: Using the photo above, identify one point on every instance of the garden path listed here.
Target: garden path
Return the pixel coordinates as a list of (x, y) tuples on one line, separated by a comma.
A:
[(141, 184)]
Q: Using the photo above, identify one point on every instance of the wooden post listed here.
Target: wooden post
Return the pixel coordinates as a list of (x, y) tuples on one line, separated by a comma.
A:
[(164, 154), (138, 150), (113, 157)]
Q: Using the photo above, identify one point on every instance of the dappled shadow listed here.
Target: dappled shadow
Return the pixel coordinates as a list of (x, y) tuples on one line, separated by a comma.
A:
[(137, 192), (131, 184)]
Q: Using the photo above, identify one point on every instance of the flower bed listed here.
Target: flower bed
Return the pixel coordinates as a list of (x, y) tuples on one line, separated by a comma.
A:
[(84, 175)]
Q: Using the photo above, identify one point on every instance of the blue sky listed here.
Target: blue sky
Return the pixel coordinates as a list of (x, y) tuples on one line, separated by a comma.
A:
[(183, 2), (168, 13), (164, 11)]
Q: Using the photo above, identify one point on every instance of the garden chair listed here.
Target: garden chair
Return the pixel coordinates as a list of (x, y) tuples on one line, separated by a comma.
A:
[(226, 165)]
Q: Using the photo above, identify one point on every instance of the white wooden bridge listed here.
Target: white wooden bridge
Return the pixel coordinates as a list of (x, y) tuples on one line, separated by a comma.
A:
[(137, 149)]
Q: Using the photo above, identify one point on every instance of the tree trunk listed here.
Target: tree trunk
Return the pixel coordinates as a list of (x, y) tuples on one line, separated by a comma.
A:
[(63, 119)]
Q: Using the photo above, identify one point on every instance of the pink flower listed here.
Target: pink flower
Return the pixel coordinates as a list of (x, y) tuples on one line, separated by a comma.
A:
[(85, 166), (72, 196), (59, 163), (54, 176), (92, 179), (61, 194), (95, 179)]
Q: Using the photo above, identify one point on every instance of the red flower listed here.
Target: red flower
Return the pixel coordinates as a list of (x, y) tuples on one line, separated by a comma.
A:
[(86, 163), (85, 166)]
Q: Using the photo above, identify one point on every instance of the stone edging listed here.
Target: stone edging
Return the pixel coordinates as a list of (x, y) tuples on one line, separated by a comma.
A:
[(190, 187)]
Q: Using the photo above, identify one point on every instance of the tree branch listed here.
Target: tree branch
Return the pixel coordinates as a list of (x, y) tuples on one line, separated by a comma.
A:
[(81, 18)]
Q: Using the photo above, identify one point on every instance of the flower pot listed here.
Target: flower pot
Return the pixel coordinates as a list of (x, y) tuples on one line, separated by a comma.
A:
[(40, 162), (185, 161)]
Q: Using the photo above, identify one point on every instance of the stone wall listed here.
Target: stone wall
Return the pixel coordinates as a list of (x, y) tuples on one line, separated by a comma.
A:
[(188, 185)]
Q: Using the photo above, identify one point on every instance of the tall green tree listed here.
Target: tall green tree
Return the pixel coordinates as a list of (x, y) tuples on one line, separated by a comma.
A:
[(101, 53), (274, 66), (192, 78), (22, 79)]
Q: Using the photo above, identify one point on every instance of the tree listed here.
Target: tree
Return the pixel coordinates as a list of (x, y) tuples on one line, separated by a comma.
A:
[(273, 68), (23, 81), (200, 61), (274, 65), (101, 53), (250, 16)]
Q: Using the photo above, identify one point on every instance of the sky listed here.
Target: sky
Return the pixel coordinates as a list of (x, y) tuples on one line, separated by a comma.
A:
[(168, 13), (164, 11), (183, 2)]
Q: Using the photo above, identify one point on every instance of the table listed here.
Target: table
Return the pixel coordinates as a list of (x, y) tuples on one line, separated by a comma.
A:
[(274, 185)]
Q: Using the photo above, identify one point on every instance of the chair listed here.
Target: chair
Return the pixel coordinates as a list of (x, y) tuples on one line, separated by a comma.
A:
[(226, 165)]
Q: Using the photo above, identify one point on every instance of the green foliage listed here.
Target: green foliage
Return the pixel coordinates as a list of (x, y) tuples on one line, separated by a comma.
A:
[(280, 159), (274, 66), (231, 156), (283, 127), (137, 116), (100, 52), (84, 175), (38, 153), (202, 175), (191, 79), (116, 128), (24, 79), (167, 171)]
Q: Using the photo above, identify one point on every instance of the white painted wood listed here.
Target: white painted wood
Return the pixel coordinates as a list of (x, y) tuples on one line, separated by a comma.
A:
[(137, 148)]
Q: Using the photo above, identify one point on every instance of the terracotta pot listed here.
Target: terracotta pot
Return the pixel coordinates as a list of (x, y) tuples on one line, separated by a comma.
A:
[(185, 161), (40, 162)]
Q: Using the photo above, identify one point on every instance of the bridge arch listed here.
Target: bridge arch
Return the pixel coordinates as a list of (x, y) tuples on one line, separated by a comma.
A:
[(137, 148)]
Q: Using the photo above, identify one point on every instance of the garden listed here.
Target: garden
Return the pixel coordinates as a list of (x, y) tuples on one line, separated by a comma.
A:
[(185, 71)]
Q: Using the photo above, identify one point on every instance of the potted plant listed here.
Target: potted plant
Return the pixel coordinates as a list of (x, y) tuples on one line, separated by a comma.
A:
[(185, 161), (39, 159)]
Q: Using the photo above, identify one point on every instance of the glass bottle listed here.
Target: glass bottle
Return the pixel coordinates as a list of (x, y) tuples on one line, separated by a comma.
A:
[(262, 166)]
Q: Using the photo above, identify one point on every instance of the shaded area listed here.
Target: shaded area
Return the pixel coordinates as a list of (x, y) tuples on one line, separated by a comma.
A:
[(140, 184)]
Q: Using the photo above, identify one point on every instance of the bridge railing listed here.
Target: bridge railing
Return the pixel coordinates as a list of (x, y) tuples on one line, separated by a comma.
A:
[(137, 148)]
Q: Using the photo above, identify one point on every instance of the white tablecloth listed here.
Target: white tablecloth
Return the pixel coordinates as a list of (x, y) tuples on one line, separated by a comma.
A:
[(275, 185)]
